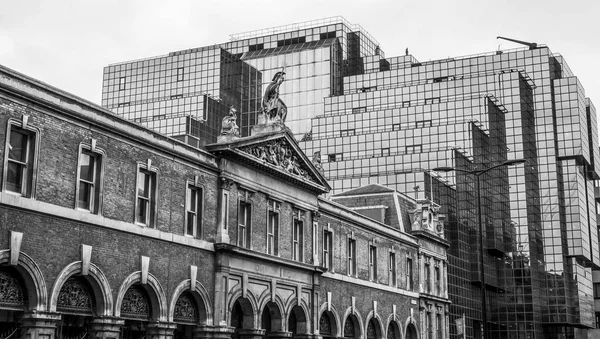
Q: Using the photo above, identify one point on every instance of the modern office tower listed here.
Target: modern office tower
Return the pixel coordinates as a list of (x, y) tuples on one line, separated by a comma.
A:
[(184, 95), (170, 93), (391, 120), (410, 110)]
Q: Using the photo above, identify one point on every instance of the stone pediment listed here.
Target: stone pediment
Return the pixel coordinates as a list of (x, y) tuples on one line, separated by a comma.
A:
[(276, 153)]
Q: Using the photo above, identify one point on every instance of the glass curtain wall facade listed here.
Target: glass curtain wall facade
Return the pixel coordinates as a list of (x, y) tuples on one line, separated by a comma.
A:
[(184, 94), (390, 121)]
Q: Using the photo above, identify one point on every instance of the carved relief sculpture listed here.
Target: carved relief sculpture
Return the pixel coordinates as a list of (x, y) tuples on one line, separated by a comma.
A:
[(278, 154), (11, 292), (273, 108)]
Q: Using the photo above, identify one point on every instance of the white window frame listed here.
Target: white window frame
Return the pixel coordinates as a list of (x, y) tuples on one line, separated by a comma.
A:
[(372, 262), (151, 199), (98, 178), (393, 276), (298, 222), (351, 254), (273, 214), (328, 249), (198, 214), (244, 230), (29, 170)]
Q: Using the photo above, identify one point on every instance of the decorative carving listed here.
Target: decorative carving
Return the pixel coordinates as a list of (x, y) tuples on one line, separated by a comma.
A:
[(135, 303), (324, 325), (11, 291), (316, 215), (75, 296), (228, 125), (371, 334), (349, 328), (279, 154), (226, 183), (185, 309), (273, 108), (316, 160)]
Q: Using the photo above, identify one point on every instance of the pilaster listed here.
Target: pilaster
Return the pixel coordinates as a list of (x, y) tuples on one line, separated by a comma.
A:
[(213, 332), (39, 325), (106, 327), (160, 330), (250, 333)]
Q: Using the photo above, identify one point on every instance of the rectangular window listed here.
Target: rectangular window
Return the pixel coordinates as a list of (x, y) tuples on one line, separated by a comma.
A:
[(395, 127), (122, 83), (392, 269), (414, 149), (438, 325), (351, 257), (385, 152), (145, 209), (427, 278), (359, 110), (298, 240), (327, 250), (89, 181), (334, 157), (273, 228), (438, 280), (180, 74), (193, 210), (409, 274), (423, 123), (372, 263), (347, 132), (596, 290), (20, 163), (406, 103), (244, 224)]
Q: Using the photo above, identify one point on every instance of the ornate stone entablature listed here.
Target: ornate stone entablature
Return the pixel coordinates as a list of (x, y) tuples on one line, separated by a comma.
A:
[(426, 218)]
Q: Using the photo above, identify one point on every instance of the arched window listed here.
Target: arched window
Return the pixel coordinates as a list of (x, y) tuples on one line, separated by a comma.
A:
[(391, 332), (371, 332), (349, 331)]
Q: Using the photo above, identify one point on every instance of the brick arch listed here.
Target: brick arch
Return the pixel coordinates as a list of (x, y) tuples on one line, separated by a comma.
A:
[(249, 308), (334, 318), (158, 299), (202, 300), (394, 321), (349, 314), (301, 311), (412, 322), (379, 331), (33, 278), (100, 287)]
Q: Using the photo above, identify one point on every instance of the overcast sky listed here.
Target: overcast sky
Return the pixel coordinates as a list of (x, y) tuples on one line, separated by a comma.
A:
[(67, 43)]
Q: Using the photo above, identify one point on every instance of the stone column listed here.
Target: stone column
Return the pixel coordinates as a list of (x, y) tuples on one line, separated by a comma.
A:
[(213, 332), (106, 328), (307, 336), (39, 325), (250, 333), (160, 330), (279, 335)]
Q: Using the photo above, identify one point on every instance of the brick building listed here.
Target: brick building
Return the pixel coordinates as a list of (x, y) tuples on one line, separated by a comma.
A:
[(110, 230)]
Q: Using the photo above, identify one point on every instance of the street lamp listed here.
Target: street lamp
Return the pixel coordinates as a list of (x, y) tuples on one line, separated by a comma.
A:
[(477, 174)]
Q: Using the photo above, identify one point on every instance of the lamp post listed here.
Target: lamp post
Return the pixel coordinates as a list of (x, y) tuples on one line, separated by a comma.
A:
[(478, 174)]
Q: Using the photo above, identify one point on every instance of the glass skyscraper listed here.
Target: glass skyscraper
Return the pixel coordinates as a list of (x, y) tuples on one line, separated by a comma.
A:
[(390, 120)]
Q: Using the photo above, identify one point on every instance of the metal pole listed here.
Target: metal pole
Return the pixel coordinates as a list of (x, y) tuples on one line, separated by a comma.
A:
[(484, 333)]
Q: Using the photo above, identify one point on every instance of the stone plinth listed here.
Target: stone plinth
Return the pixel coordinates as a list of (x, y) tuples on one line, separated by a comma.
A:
[(39, 325), (106, 328)]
